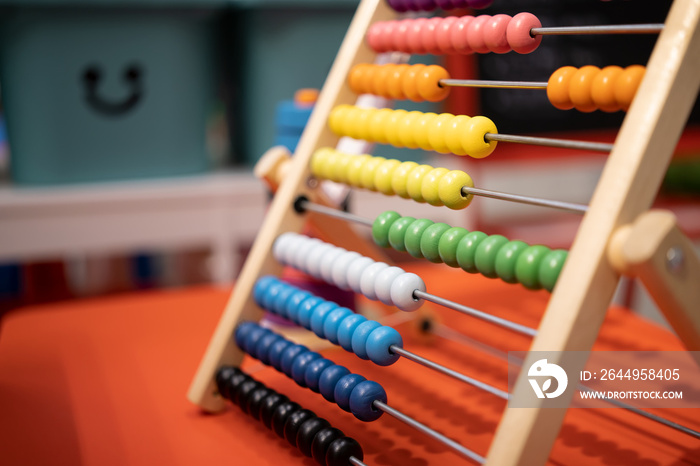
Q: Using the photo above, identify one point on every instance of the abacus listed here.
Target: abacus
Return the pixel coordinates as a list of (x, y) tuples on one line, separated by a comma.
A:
[(617, 234)]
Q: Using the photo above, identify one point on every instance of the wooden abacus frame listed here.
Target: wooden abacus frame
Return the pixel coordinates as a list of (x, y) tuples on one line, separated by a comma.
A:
[(627, 188)]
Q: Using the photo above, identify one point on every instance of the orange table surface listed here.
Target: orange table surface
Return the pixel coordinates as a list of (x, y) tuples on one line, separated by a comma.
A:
[(103, 382)]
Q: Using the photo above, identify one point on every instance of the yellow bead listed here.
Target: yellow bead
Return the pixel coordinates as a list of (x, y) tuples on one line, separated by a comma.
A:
[(336, 120), (453, 134), (414, 182), (355, 169), (430, 184), (339, 171), (383, 176), (349, 124), (421, 130), (391, 130), (437, 132), (377, 125), (399, 179), (450, 189), (474, 142), (407, 128), (368, 170), (331, 159), (317, 160)]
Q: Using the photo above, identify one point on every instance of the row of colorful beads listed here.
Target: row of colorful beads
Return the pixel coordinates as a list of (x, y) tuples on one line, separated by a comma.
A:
[(415, 82)]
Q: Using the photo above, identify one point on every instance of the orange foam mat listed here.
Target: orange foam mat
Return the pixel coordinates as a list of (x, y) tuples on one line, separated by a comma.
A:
[(103, 381)]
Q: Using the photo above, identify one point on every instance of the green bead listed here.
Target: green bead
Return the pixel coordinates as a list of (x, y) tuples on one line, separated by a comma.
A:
[(381, 225), (486, 252), (397, 233), (550, 268), (527, 267), (414, 234), (430, 239), (466, 249), (448, 245), (506, 259)]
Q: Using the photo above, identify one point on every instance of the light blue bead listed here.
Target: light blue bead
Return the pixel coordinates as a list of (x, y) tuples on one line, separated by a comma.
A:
[(329, 379), (319, 316), (347, 328), (343, 389), (306, 308), (359, 338), (362, 398), (332, 323), (261, 287), (272, 291), (278, 304), (378, 344), (293, 302)]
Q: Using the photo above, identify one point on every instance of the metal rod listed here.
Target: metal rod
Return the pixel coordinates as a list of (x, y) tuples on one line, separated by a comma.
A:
[(331, 212), (475, 313), (356, 462), (467, 453), (566, 206), (609, 29), (447, 371), (493, 84), (550, 142)]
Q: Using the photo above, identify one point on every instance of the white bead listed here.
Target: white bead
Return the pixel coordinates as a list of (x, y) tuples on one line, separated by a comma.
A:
[(280, 245), (327, 261), (290, 245), (313, 260), (355, 272), (340, 269), (302, 252), (402, 291), (382, 286), (369, 275)]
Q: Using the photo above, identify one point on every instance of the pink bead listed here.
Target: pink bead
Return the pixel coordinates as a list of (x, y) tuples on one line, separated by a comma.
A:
[(475, 34), (414, 37), (495, 34), (458, 35), (518, 33), (442, 35), (400, 39), (375, 37), (429, 38)]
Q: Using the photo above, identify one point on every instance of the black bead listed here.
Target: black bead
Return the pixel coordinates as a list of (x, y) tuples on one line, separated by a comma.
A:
[(307, 432), (252, 407), (322, 441), (294, 422), (240, 397), (233, 384), (222, 377), (340, 451), (280, 415), (268, 406)]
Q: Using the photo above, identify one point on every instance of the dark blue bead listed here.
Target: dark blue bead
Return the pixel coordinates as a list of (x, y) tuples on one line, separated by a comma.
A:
[(300, 364), (293, 303), (241, 333), (347, 328), (329, 379), (261, 287), (378, 344), (288, 357), (262, 349), (319, 316), (251, 341), (276, 351), (332, 323), (362, 398), (314, 371), (344, 388), (305, 309), (359, 337)]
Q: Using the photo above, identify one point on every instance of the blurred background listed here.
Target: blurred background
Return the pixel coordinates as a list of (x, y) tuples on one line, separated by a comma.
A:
[(129, 129)]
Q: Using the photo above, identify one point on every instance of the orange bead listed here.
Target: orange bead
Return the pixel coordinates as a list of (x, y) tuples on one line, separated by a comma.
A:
[(603, 89), (627, 85), (558, 88), (379, 80), (357, 76), (409, 82), (428, 83), (580, 88), (393, 82)]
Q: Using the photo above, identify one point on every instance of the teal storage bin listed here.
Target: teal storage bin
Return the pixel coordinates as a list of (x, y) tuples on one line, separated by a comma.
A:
[(122, 90)]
